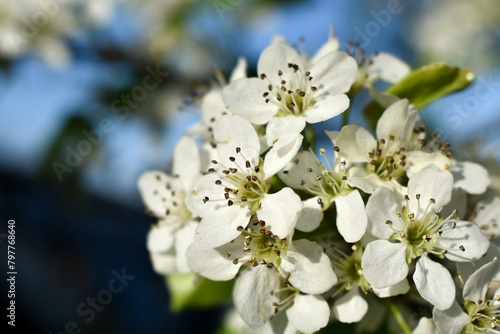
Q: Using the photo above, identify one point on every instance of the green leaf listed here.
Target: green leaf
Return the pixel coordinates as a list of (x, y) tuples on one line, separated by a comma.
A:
[(424, 85), (189, 291)]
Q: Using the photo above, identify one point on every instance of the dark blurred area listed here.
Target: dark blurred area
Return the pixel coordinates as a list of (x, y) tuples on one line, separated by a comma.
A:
[(94, 93)]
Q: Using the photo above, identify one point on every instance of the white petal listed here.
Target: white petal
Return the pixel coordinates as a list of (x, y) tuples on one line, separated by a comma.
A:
[(351, 307), (280, 211), (153, 188), (465, 234), (252, 294), (488, 216), (308, 314), (244, 97), (282, 152), (283, 126), (332, 135), (221, 225), (469, 176), (418, 159), (452, 320), (383, 99), (326, 108), (204, 187), (351, 216), (278, 324), (355, 143), (309, 267), (469, 268), (331, 45), (400, 288), (279, 39), (334, 73), (212, 106), (360, 178), (477, 285), (296, 170), (430, 183), (434, 283), (160, 239), (388, 68), (213, 263), (310, 216), (164, 263), (426, 326), (240, 70), (392, 122), (186, 162), (183, 238), (384, 263), (231, 132), (274, 58), (382, 207)]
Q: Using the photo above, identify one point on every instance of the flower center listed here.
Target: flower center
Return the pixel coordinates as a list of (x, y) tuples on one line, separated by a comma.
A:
[(263, 247), (243, 185), (348, 268), (327, 182), (483, 315), (421, 235), (294, 96), (388, 160)]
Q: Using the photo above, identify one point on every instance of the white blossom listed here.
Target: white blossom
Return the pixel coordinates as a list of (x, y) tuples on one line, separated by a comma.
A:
[(290, 93), (481, 310), (328, 185), (412, 229), (351, 306), (237, 186), (262, 300)]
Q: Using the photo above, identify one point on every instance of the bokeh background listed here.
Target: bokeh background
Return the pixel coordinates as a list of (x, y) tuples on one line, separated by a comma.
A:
[(70, 68)]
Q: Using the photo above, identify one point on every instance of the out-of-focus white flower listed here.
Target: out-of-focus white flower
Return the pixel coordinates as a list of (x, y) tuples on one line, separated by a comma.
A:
[(412, 229), (164, 196), (43, 27), (436, 34), (481, 311)]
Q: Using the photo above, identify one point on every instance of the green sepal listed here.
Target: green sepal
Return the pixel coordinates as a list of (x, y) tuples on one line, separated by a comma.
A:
[(189, 291), (424, 85)]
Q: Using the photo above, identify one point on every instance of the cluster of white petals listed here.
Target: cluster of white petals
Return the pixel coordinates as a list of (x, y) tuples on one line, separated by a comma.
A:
[(309, 239)]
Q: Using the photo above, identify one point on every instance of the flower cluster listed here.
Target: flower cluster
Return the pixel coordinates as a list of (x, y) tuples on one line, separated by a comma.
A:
[(312, 236)]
